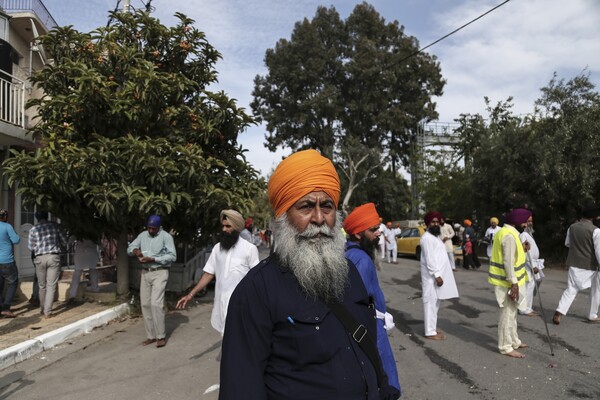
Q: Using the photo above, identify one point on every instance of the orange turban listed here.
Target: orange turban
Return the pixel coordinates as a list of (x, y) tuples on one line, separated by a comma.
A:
[(468, 222), (361, 219), (299, 174)]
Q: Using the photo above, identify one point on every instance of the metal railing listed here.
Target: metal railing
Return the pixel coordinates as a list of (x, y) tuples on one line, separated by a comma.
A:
[(12, 99), (35, 6)]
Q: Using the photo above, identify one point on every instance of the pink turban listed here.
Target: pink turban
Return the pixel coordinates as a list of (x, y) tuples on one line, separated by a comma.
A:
[(298, 175), (518, 216), (431, 215), (361, 219)]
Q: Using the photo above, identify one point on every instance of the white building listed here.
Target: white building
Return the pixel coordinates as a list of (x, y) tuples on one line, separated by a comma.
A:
[(21, 21)]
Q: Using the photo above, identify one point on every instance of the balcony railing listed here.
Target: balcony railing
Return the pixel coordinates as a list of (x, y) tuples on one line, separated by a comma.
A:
[(35, 6), (12, 100)]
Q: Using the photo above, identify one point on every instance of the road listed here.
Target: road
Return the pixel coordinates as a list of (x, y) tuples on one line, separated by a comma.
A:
[(110, 363)]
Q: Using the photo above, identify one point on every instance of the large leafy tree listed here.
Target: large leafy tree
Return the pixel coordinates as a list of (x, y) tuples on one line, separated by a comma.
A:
[(353, 89), (127, 127), (547, 161)]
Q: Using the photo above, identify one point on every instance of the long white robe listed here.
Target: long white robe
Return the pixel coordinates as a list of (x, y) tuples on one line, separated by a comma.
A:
[(228, 267), (435, 263), (533, 261)]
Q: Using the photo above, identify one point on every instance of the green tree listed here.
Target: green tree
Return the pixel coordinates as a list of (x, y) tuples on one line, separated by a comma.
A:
[(547, 161), (352, 89), (127, 128)]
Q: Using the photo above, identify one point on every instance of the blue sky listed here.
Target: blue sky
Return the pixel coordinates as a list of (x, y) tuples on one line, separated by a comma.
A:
[(513, 51)]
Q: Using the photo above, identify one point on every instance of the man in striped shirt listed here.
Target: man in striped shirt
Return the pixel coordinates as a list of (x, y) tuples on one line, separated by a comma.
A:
[(47, 241)]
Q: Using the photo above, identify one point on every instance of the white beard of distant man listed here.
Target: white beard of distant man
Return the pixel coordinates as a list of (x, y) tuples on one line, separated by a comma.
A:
[(315, 257)]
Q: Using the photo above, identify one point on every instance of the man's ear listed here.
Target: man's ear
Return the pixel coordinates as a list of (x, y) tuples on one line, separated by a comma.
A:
[(357, 236)]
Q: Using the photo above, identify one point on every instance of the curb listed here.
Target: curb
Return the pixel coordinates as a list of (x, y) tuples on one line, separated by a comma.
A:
[(22, 351)]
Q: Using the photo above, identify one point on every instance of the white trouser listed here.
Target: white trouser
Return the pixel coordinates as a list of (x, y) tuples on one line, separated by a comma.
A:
[(508, 339), (580, 279), (430, 313), (382, 247), (529, 289), (152, 298), (392, 253), (77, 278)]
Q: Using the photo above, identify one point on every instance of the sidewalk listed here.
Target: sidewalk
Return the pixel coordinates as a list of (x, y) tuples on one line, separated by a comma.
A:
[(29, 334)]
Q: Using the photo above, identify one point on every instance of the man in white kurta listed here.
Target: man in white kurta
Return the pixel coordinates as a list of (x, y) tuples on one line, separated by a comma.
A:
[(447, 233), (437, 279), (534, 267), (391, 248), (382, 230), (489, 235), (229, 262)]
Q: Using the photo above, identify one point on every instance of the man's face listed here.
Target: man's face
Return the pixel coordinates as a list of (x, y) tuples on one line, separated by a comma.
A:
[(493, 223), (226, 226), (315, 208), (434, 227), (372, 235), (153, 230)]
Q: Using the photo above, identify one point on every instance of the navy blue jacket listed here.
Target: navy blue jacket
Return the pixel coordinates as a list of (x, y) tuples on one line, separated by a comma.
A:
[(279, 344)]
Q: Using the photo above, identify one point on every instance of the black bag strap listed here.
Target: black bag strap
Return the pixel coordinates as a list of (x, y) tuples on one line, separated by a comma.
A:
[(360, 335)]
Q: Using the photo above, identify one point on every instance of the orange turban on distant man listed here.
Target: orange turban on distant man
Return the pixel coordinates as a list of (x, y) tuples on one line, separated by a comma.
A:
[(299, 174), (361, 218), (467, 222)]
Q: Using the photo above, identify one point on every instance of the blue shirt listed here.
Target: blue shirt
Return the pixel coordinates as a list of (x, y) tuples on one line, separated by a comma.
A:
[(8, 238), (367, 272), (279, 344)]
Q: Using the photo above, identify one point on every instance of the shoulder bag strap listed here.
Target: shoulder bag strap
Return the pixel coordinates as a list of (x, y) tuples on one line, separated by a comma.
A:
[(360, 335)]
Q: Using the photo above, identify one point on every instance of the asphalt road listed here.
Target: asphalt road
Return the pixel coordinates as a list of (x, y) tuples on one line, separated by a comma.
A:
[(110, 363)]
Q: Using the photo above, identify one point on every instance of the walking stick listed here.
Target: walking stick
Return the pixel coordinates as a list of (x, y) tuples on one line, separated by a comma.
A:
[(539, 295)]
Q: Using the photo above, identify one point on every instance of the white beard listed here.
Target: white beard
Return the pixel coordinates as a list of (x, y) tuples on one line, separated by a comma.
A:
[(318, 262)]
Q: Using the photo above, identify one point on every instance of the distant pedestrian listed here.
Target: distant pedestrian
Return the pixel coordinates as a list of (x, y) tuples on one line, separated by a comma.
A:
[(437, 279), (489, 235), (155, 250), (8, 268), (468, 253), (446, 234), (583, 241), (47, 241), (382, 229), (508, 276), (229, 261), (470, 231), (391, 248), (86, 257), (246, 233), (534, 267)]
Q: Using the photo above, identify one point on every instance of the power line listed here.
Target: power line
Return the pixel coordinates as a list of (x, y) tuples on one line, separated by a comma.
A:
[(449, 34)]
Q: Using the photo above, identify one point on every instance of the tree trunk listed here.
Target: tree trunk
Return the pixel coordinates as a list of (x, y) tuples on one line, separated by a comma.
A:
[(122, 265)]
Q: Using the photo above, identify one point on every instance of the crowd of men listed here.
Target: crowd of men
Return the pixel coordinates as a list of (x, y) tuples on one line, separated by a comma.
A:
[(310, 320)]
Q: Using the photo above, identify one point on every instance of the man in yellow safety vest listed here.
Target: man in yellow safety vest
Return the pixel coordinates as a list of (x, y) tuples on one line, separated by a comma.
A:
[(507, 273)]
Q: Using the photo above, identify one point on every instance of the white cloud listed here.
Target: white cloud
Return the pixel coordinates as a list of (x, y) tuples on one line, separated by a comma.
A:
[(512, 51)]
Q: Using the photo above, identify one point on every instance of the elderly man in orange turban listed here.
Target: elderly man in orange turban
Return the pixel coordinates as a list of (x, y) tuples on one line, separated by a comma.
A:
[(282, 325), (362, 227)]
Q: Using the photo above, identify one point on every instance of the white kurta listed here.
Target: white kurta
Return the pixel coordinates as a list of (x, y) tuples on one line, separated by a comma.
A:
[(434, 263), (533, 261), (490, 233), (229, 267)]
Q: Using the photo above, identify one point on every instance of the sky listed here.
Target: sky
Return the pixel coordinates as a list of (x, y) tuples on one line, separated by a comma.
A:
[(512, 52)]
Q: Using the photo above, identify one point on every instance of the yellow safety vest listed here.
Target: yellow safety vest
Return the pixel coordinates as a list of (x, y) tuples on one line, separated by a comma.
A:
[(497, 274)]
